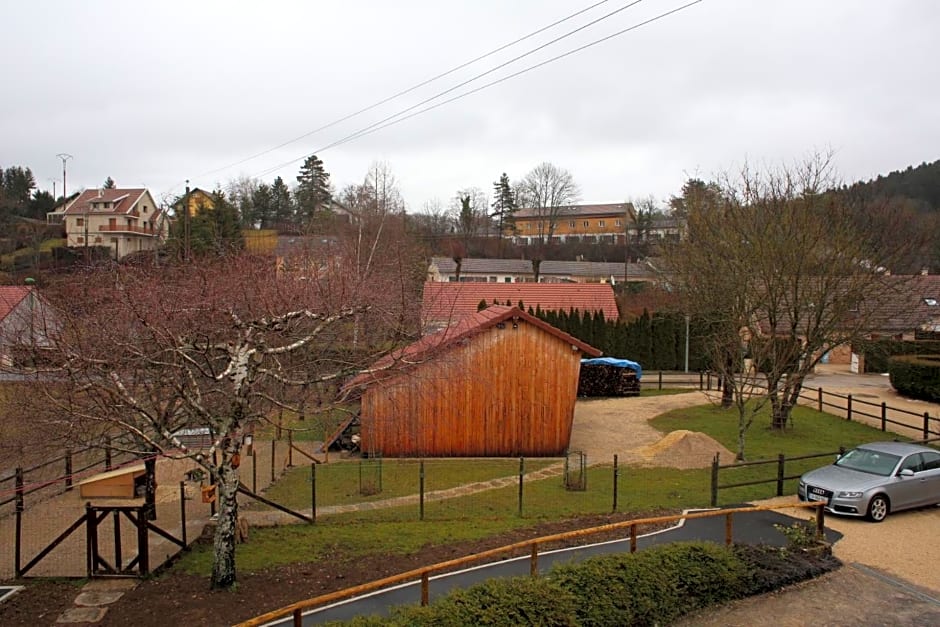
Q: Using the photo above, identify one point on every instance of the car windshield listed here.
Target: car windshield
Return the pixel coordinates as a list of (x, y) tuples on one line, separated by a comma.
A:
[(866, 460)]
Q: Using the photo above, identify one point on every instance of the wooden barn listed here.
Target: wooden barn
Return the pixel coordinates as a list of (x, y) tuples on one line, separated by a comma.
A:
[(498, 383)]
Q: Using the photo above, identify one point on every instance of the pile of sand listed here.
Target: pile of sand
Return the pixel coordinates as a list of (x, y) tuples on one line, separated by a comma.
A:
[(684, 449)]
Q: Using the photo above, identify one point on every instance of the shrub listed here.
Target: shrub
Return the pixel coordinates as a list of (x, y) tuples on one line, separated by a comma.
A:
[(916, 376), (769, 568)]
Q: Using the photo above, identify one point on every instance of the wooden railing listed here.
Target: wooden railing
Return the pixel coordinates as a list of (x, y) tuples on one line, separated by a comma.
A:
[(296, 610)]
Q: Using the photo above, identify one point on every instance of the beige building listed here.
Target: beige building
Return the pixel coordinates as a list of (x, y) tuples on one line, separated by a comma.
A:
[(124, 220)]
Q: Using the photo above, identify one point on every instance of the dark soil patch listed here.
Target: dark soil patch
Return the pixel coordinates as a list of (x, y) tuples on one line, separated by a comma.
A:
[(180, 599)]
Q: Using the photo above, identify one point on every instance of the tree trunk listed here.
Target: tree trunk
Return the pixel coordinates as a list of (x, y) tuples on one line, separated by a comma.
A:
[(780, 414), (150, 487), (223, 567)]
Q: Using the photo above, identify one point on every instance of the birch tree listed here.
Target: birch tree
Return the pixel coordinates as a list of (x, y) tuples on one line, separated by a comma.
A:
[(223, 346)]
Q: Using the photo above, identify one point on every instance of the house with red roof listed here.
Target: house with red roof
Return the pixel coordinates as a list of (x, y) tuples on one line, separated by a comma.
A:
[(26, 321), (446, 303), (124, 220), (500, 382)]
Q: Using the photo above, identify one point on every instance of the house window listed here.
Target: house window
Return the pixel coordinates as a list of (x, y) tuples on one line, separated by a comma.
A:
[(600, 223), (571, 223), (81, 239), (586, 224), (79, 221), (618, 223), (508, 279), (492, 279)]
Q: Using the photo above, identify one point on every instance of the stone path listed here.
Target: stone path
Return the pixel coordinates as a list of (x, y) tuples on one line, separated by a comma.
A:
[(92, 603)]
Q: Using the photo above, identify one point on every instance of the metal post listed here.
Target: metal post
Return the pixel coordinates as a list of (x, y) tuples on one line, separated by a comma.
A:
[(687, 343), (521, 474), (183, 512), (715, 481), (421, 490), (781, 460), (616, 481)]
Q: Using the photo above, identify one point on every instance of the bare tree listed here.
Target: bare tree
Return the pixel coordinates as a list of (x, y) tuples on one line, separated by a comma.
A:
[(777, 273), (468, 211), (546, 193), (222, 346)]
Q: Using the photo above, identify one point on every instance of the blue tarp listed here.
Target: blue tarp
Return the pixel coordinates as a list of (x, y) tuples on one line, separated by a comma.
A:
[(619, 363)]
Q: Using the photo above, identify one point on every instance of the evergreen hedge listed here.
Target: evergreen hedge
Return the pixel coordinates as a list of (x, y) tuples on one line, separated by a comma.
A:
[(656, 342), (878, 352), (653, 587), (916, 376)]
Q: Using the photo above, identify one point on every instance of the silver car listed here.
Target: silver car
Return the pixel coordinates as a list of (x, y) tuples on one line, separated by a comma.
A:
[(875, 479)]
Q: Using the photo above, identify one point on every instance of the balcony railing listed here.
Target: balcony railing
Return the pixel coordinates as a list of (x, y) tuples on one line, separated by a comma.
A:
[(126, 228)]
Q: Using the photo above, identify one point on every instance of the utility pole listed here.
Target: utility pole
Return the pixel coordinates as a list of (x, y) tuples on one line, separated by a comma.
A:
[(65, 157)]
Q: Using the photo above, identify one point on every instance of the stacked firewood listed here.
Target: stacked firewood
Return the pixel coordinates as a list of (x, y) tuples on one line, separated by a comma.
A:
[(603, 380)]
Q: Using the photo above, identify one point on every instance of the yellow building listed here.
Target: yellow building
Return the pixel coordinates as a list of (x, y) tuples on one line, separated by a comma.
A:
[(196, 201), (594, 223)]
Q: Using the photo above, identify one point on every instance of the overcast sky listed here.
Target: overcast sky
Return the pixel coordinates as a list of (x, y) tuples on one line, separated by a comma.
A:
[(155, 93)]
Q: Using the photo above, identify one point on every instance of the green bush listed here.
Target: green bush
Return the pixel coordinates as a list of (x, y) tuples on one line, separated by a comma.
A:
[(878, 352), (653, 587), (916, 376)]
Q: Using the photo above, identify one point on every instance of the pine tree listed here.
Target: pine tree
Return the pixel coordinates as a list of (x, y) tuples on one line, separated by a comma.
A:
[(109, 183), (313, 194), (504, 205), (282, 204)]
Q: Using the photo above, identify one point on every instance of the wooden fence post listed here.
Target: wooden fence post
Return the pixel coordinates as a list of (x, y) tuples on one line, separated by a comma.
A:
[(521, 475), (616, 481), (273, 455), (729, 529), (715, 480), (20, 507), (660, 379), (781, 460), (820, 402), (290, 448), (183, 513), (926, 425), (313, 492), (143, 546), (848, 408), (254, 473), (421, 490), (884, 415), (107, 453)]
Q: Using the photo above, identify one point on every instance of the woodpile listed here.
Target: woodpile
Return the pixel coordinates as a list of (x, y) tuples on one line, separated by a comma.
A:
[(607, 380)]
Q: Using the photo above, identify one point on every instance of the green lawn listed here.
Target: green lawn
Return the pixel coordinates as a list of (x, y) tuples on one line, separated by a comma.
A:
[(811, 432), (398, 530)]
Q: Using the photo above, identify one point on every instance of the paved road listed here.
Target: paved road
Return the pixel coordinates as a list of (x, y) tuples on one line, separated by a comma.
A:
[(751, 528)]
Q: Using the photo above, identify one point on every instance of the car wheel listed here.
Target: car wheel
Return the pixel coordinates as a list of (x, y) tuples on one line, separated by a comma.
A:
[(878, 508)]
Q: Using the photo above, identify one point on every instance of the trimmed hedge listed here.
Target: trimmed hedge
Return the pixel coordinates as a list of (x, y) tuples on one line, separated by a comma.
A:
[(916, 376), (879, 352), (655, 586)]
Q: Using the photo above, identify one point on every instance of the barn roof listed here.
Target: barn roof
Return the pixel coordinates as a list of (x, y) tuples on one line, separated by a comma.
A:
[(453, 301), (469, 326), (591, 269)]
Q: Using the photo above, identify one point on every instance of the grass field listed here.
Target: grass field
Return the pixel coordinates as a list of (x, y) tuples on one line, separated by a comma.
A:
[(399, 530)]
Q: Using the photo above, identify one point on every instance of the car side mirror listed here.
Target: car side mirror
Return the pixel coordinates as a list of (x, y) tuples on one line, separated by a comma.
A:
[(907, 472)]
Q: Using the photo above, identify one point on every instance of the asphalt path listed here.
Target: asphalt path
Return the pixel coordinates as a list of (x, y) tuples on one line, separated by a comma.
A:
[(749, 528)]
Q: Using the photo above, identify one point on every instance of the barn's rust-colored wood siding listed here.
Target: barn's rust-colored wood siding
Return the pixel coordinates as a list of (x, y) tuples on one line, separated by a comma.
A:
[(504, 392)]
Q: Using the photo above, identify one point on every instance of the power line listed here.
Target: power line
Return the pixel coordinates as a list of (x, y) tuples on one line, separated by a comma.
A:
[(395, 119), (409, 89)]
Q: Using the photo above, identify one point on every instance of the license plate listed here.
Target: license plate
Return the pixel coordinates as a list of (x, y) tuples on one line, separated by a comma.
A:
[(817, 497)]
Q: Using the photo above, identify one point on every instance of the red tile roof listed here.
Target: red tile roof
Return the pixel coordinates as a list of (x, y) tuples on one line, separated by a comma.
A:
[(467, 327), (446, 302), (579, 211), (124, 199), (10, 297)]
